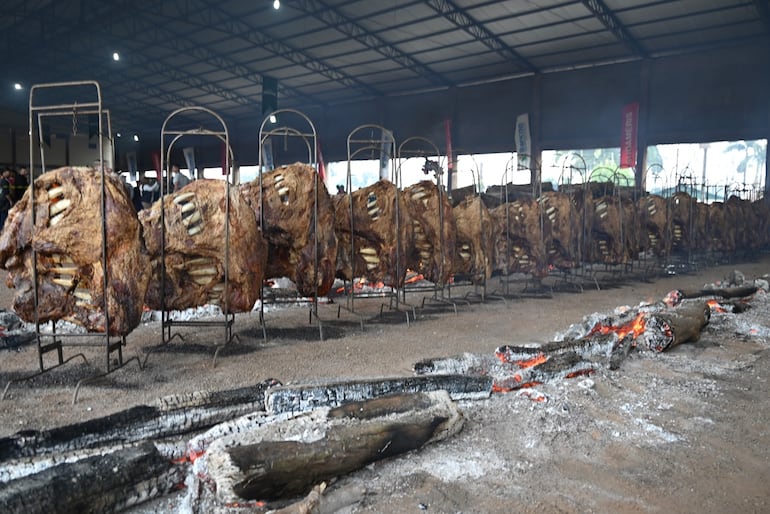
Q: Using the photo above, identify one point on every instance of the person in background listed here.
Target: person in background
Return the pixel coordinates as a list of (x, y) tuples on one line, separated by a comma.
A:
[(21, 184), (136, 195), (178, 179), (6, 202), (150, 191)]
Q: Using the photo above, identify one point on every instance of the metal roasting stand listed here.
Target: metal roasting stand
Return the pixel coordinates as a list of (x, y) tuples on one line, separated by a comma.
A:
[(479, 292), (505, 277), (601, 270), (371, 140), (168, 138), (421, 147), (308, 136), (54, 342), (574, 277)]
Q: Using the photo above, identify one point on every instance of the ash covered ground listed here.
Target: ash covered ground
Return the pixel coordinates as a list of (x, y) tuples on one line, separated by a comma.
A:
[(682, 431)]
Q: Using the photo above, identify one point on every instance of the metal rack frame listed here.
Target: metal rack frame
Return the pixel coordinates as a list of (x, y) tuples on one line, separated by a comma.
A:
[(536, 187), (37, 113), (479, 289), (441, 294), (310, 138), (222, 134), (357, 143)]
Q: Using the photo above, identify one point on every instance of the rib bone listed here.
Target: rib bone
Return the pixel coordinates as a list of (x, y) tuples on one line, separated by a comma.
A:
[(183, 198)]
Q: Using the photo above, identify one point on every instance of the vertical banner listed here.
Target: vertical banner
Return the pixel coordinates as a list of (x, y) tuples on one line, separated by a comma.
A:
[(387, 144), (156, 163), (628, 139), (523, 142), (133, 169), (267, 154), (321, 164), (189, 158), (450, 163), (269, 95)]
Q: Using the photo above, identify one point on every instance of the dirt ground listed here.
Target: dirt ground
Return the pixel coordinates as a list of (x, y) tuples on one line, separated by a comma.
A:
[(683, 431)]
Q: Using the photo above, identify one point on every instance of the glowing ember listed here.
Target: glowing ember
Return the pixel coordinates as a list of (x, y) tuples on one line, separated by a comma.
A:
[(579, 373), (526, 363), (714, 306), (635, 328), (535, 396), (511, 384), (414, 278)]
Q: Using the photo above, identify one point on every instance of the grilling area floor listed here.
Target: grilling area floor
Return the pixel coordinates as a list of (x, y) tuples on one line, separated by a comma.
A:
[(687, 430)]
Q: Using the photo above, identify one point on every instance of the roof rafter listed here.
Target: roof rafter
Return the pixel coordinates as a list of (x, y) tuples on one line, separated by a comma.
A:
[(202, 13), (609, 20), (462, 19), (217, 60), (350, 28)]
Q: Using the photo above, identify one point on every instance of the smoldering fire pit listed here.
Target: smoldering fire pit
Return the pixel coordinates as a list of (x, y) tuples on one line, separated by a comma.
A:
[(598, 344)]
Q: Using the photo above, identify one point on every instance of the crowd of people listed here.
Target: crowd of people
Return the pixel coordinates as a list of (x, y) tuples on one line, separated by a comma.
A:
[(13, 183)]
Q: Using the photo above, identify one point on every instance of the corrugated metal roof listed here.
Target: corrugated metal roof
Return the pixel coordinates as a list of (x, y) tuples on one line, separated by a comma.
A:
[(324, 52)]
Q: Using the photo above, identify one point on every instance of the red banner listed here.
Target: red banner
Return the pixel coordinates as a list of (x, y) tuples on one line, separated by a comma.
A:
[(628, 139), (156, 163)]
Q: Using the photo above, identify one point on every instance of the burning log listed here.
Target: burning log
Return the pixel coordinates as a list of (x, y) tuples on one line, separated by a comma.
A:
[(195, 249), (664, 330), (107, 483), (675, 297), (381, 237), (519, 238), (558, 367), (67, 236), (172, 416), (286, 459), (475, 240), (433, 250), (561, 229), (292, 229), (307, 397)]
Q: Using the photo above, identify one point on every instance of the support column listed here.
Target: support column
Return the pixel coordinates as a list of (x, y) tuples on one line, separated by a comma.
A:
[(640, 172), (536, 132), (764, 13)]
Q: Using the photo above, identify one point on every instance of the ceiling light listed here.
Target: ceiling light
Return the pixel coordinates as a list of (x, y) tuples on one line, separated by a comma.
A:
[(136, 137), (117, 134), (276, 4), (17, 86), (273, 119), (115, 56)]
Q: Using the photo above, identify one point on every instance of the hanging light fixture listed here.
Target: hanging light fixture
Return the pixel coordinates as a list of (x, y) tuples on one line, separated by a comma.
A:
[(276, 4)]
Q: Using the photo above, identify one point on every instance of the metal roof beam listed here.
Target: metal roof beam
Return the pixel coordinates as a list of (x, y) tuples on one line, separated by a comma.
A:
[(462, 19), (350, 28), (202, 13), (609, 20)]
